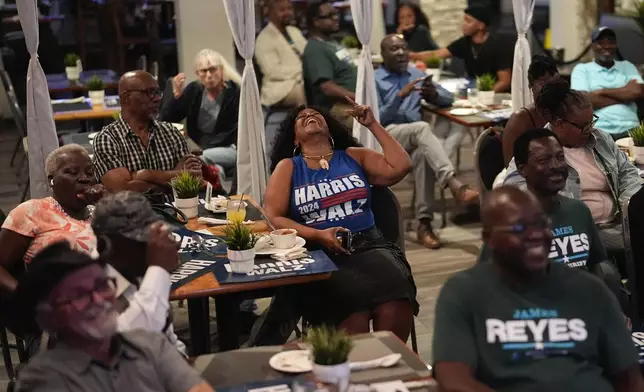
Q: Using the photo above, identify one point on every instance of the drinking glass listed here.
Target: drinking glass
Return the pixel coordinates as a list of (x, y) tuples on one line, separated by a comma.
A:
[(236, 211), (473, 95)]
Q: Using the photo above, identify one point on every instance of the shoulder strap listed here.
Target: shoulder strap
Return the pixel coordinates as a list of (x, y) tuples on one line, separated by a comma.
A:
[(534, 124)]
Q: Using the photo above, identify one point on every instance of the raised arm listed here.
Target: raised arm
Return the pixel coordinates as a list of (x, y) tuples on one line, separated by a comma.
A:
[(276, 205), (386, 168), (504, 79)]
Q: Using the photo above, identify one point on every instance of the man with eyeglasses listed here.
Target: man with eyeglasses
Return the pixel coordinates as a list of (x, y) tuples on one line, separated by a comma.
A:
[(329, 72), (70, 295), (524, 323), (614, 86), (136, 152)]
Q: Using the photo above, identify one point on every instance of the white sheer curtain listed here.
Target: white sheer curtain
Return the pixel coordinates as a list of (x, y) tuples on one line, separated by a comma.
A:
[(252, 173), (41, 129), (362, 12), (521, 95)]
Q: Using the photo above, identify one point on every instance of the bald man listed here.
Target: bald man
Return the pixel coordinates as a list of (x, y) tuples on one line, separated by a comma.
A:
[(522, 323), (136, 152), (400, 90)]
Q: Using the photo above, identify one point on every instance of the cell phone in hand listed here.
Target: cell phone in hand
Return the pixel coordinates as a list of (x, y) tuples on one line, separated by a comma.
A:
[(346, 239)]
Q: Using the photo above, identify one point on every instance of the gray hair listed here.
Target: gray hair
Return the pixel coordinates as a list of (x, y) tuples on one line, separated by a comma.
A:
[(209, 58), (54, 159)]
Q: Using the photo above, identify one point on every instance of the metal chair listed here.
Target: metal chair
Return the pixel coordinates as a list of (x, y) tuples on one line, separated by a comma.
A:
[(488, 161), (389, 219)]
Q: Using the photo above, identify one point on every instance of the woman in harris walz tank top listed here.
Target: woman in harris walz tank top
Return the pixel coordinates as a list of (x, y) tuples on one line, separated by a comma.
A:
[(320, 186)]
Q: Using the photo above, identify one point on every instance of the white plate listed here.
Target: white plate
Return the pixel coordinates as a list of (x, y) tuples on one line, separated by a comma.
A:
[(299, 242), (92, 135), (294, 361), (179, 126), (464, 111)]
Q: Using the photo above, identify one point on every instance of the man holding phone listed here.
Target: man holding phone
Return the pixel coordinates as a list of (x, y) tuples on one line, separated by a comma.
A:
[(400, 90)]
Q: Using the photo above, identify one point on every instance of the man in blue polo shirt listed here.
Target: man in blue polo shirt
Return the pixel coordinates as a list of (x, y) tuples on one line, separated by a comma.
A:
[(400, 90), (614, 86)]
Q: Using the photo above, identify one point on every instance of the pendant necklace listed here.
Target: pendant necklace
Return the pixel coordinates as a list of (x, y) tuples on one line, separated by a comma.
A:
[(322, 159)]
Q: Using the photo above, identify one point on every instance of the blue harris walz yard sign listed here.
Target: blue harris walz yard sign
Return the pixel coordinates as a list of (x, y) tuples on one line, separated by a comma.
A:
[(194, 262)]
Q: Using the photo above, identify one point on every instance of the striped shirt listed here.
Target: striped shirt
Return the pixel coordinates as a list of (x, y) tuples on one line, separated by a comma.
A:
[(117, 146)]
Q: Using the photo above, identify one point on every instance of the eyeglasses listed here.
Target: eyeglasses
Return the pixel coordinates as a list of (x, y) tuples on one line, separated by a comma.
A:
[(150, 92), (586, 129), (521, 228), (204, 71), (105, 287), (332, 15)]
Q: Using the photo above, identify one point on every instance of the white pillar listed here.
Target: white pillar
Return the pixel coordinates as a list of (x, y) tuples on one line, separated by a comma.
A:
[(201, 24), (378, 27), (571, 22)]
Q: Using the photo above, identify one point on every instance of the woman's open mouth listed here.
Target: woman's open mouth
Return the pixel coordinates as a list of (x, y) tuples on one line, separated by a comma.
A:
[(310, 121)]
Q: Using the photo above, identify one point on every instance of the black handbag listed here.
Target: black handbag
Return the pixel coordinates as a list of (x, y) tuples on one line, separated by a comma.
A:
[(165, 210)]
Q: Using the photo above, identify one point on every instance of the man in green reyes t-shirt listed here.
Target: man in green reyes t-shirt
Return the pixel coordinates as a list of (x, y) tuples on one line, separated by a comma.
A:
[(329, 72), (523, 323), (576, 242)]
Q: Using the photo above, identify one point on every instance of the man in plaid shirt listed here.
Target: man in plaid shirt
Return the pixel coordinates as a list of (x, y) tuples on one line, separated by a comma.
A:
[(136, 152)]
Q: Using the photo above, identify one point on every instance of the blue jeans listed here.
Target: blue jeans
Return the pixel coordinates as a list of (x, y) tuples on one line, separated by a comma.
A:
[(225, 158)]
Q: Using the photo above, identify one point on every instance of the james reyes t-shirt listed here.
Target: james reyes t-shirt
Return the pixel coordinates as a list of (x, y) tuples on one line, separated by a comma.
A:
[(575, 240), (563, 333), (493, 55)]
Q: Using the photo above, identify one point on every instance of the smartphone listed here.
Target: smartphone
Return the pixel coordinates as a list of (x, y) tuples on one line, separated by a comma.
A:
[(346, 238)]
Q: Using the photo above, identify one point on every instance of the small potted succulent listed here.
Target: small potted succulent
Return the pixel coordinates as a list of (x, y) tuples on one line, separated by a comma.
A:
[(330, 350), (186, 187), (72, 66), (486, 84), (96, 90), (433, 67), (637, 134), (241, 247)]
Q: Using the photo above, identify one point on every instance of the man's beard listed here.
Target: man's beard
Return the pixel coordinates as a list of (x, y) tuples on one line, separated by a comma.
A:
[(107, 326)]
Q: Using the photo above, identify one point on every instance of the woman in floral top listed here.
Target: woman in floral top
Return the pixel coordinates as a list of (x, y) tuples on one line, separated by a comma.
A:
[(66, 215)]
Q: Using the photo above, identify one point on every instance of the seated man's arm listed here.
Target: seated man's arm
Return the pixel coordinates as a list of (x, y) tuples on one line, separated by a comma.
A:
[(148, 307), (319, 69), (455, 355), (580, 80), (504, 79), (628, 178), (633, 90), (442, 53), (37, 378), (332, 89), (174, 372), (617, 353)]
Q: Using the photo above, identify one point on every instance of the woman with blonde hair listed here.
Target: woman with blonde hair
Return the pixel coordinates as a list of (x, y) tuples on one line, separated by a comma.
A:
[(210, 106)]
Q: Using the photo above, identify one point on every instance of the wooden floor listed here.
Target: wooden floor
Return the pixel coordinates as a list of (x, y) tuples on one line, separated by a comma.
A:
[(430, 267)]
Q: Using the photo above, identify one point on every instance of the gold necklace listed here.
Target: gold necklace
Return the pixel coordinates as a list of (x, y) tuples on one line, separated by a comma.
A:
[(322, 159)]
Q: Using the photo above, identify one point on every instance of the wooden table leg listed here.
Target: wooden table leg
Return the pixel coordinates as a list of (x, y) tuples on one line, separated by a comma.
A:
[(199, 320), (227, 309)]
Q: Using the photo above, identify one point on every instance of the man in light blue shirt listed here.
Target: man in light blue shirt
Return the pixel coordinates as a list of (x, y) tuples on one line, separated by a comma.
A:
[(614, 86), (399, 94)]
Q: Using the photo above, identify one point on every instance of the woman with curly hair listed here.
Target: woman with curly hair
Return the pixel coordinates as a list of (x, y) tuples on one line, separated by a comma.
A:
[(414, 27), (320, 187)]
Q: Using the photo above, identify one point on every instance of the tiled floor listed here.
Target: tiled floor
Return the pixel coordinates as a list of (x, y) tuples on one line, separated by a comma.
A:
[(431, 267)]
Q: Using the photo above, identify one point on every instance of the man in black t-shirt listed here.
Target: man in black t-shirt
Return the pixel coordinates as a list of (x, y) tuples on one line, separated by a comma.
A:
[(482, 52)]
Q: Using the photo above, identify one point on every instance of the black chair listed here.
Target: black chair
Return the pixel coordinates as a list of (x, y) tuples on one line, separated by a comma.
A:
[(389, 219), (632, 211), (488, 160)]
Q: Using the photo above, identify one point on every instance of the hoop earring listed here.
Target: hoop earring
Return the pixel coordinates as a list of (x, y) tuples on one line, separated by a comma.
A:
[(332, 143), (295, 150)]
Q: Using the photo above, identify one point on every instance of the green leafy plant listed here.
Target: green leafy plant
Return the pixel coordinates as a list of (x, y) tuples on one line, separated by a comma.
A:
[(71, 59), (350, 42), (186, 185), (95, 84), (329, 346), (239, 236), (637, 134), (486, 82), (433, 62)]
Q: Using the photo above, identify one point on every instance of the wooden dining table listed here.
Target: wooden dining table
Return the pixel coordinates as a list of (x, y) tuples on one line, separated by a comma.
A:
[(86, 112), (227, 297)]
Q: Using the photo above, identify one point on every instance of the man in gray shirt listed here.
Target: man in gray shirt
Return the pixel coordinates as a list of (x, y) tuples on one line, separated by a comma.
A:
[(72, 296)]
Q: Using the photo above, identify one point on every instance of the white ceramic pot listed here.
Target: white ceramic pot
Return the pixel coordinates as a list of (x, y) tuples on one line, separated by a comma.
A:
[(338, 375), (435, 72), (486, 97), (638, 154), (190, 206), (73, 73), (241, 261), (97, 97)]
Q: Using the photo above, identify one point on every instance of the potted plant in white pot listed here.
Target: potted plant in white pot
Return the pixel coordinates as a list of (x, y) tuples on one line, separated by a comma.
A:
[(241, 247), (637, 134), (186, 187), (486, 84), (72, 69), (433, 67), (330, 350), (352, 45), (96, 90)]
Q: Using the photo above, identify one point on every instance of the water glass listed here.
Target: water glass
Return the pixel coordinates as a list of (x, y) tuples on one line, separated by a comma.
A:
[(473, 95)]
